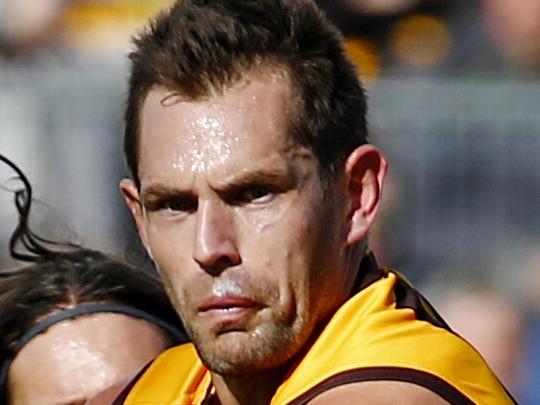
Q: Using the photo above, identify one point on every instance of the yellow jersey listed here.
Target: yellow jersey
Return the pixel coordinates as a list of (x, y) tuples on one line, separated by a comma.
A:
[(386, 331)]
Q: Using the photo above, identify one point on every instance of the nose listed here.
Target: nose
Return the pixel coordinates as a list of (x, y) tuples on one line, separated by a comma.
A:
[(215, 243)]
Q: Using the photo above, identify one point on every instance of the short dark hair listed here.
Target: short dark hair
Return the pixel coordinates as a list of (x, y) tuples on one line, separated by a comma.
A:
[(200, 46), (64, 275)]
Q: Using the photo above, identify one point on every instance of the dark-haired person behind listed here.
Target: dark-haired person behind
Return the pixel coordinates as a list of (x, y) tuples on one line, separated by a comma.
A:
[(74, 321)]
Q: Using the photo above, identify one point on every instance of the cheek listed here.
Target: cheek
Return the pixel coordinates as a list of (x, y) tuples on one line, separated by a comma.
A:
[(285, 238), (170, 250), (284, 249), (272, 241), (169, 242)]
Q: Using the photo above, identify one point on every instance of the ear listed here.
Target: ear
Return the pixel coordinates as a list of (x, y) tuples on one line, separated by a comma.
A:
[(133, 200), (365, 170)]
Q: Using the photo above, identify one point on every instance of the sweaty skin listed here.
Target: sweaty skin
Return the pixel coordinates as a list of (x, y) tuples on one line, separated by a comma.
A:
[(234, 214), (254, 254), (75, 359)]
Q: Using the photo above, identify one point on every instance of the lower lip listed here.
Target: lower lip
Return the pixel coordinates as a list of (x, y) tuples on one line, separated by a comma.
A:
[(229, 315)]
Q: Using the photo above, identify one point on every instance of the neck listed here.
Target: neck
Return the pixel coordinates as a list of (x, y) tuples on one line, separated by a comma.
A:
[(249, 389)]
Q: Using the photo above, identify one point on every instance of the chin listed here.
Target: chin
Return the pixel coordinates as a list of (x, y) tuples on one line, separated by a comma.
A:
[(239, 353)]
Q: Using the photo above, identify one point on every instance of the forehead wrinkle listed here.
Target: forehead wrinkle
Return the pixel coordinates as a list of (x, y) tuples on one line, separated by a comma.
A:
[(170, 98), (280, 164), (275, 167), (166, 186)]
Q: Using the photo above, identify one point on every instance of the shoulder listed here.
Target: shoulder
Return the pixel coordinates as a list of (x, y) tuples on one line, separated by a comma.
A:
[(174, 372), (379, 393)]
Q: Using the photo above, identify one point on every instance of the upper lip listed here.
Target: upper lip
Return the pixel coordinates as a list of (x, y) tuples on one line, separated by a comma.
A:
[(227, 301)]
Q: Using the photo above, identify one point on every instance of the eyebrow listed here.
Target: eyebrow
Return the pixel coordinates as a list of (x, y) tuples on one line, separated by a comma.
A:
[(273, 176), (159, 191), (266, 175)]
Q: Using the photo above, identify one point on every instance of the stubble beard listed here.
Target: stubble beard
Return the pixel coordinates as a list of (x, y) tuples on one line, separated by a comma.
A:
[(267, 345), (237, 353)]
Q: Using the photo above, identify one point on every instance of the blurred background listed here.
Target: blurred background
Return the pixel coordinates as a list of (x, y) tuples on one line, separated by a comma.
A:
[(454, 88)]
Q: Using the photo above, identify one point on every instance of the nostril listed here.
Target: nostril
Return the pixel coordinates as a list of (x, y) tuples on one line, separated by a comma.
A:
[(217, 266)]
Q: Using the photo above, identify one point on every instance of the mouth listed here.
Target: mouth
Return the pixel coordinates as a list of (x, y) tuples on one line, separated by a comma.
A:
[(228, 309)]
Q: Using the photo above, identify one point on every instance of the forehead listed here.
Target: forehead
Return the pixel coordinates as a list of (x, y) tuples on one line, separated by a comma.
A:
[(247, 119), (78, 358)]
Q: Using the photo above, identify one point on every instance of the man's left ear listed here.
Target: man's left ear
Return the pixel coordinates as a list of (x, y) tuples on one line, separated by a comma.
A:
[(365, 170)]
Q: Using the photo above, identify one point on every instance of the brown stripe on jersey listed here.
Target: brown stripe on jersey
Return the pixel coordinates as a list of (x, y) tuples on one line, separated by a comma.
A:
[(423, 379), (406, 295), (368, 273)]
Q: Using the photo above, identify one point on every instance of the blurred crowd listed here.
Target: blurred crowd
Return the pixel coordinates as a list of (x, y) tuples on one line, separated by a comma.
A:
[(385, 36), (441, 36), (71, 28), (430, 41), (503, 327)]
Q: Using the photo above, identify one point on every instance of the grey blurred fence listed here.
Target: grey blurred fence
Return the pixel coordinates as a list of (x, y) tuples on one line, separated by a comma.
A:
[(464, 155), (62, 125), (466, 165)]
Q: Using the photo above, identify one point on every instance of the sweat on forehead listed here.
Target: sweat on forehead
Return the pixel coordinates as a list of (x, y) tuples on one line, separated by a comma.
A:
[(197, 135)]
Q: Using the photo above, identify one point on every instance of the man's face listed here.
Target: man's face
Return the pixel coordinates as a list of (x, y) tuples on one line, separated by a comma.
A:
[(249, 246)]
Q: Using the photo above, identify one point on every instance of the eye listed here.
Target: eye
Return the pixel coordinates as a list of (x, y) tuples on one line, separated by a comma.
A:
[(257, 194), (172, 205), (179, 205)]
